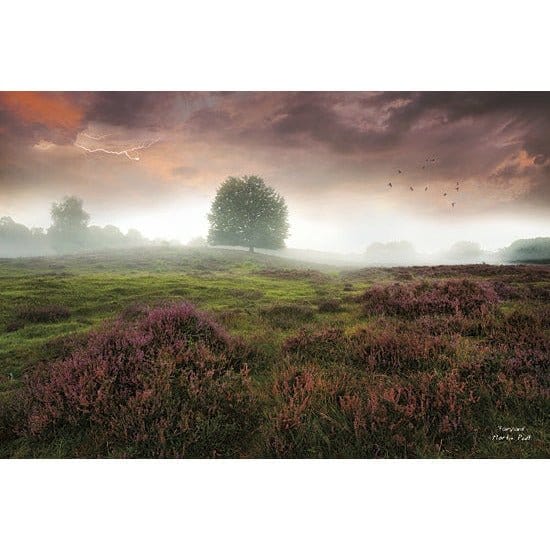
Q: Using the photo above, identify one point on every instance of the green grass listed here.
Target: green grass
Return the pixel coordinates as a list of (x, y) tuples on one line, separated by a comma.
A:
[(97, 287), (237, 287)]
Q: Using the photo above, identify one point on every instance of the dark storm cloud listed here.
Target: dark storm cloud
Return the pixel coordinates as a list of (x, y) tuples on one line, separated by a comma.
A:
[(529, 110), (455, 106), (146, 110), (376, 120), (314, 116)]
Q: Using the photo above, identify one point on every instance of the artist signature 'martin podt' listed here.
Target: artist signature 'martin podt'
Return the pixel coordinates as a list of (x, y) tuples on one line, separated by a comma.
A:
[(511, 433)]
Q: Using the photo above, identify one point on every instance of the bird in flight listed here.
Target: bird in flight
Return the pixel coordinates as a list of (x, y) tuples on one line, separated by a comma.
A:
[(453, 204), (426, 188), (411, 188), (390, 185), (444, 194), (399, 172)]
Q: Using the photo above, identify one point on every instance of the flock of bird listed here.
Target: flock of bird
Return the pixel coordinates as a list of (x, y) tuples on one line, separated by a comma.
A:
[(427, 163)]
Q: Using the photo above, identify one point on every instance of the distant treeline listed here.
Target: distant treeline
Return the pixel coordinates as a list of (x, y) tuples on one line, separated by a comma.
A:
[(403, 252), (69, 232), (527, 250)]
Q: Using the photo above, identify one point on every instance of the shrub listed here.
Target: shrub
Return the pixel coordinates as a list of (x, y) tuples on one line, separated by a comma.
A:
[(538, 292), (522, 343), (327, 345), (15, 325), (133, 311), (305, 422), (246, 293), (453, 296), (11, 414), (457, 324), (506, 291), (293, 274), (287, 315), (330, 306), (394, 350), (329, 413), (50, 313), (61, 347), (168, 385), (386, 347)]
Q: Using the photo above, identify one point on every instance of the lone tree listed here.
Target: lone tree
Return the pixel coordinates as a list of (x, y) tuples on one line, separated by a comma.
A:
[(246, 212), (68, 231)]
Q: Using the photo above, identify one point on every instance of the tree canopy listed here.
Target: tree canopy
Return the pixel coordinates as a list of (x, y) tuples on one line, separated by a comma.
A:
[(70, 222), (246, 212)]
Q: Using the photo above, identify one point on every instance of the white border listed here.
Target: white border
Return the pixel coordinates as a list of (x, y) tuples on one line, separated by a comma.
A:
[(274, 504), (283, 45)]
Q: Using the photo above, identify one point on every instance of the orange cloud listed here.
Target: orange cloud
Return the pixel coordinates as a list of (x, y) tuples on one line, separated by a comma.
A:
[(51, 109)]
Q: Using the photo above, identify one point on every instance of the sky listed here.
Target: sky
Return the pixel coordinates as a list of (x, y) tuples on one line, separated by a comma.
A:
[(153, 161)]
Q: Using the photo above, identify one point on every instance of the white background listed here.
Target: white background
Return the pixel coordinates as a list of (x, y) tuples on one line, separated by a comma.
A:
[(283, 45)]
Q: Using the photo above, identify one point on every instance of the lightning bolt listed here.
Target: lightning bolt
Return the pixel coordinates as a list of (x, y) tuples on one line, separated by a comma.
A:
[(122, 152), (96, 138)]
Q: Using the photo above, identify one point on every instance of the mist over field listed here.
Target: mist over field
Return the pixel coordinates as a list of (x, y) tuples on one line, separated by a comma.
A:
[(18, 240), (72, 230)]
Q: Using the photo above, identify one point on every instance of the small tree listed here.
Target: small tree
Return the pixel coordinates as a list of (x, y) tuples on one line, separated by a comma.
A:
[(246, 212), (68, 231)]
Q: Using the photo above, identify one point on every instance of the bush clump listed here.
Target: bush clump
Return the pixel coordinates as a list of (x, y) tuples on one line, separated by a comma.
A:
[(386, 348), (50, 313), (327, 345), (14, 325), (11, 414), (391, 350), (170, 384), (287, 315), (331, 413), (330, 306), (293, 274), (453, 296), (133, 311), (523, 345)]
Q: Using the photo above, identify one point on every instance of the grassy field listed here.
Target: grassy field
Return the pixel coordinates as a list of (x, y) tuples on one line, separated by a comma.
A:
[(296, 360)]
